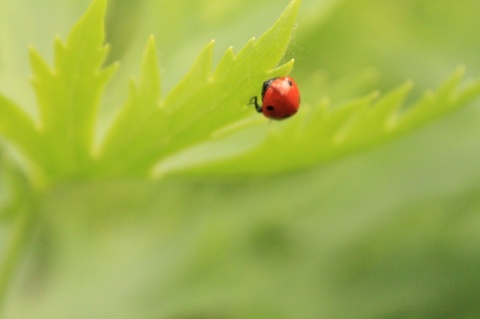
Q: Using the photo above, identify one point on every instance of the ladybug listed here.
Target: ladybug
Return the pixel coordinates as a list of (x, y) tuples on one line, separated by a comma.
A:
[(280, 98)]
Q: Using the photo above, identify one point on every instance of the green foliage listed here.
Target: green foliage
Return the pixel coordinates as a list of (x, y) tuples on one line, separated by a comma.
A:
[(148, 128), (325, 133), (354, 239), (68, 97)]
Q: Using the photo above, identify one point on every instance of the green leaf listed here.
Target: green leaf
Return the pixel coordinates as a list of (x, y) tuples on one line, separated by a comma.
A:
[(392, 233), (16, 212), (15, 188), (20, 130), (69, 94), (324, 133), (202, 103), (141, 106)]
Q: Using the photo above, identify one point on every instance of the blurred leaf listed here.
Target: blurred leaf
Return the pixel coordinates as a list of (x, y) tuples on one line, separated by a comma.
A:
[(310, 252), (325, 133), (388, 233), (19, 128), (16, 216), (69, 94), (202, 103), (399, 39), (16, 20)]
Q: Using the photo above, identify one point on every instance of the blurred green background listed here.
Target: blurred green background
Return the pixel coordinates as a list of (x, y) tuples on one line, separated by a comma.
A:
[(392, 232)]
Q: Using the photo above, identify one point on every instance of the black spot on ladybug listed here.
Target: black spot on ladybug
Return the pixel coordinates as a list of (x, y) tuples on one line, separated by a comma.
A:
[(266, 85), (270, 108), (290, 83)]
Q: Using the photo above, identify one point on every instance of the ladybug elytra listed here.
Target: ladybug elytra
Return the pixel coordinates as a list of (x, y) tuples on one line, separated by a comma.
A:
[(280, 98)]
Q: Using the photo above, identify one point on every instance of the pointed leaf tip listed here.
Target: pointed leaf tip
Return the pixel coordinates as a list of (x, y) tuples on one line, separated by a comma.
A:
[(98, 6), (274, 42), (39, 67), (150, 77), (96, 11), (151, 40), (91, 25), (282, 70), (150, 51)]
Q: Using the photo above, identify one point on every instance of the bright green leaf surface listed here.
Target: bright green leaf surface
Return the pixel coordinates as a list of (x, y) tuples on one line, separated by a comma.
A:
[(325, 134), (320, 225), (199, 105), (69, 93)]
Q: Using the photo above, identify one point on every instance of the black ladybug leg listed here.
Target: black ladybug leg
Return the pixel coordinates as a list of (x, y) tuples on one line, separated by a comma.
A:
[(254, 102)]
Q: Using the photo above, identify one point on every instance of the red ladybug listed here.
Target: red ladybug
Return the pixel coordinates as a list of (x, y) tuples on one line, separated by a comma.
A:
[(280, 98)]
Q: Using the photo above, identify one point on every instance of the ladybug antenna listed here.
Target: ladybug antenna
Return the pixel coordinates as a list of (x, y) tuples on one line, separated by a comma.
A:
[(254, 102)]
